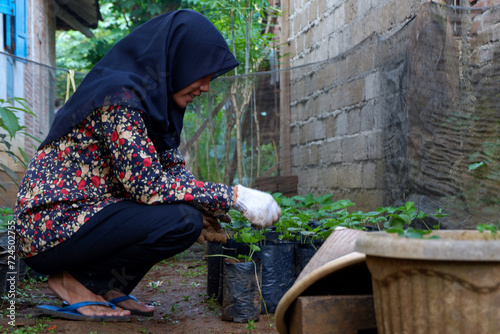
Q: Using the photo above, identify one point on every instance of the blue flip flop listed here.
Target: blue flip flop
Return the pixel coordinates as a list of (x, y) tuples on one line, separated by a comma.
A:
[(133, 312), (71, 312)]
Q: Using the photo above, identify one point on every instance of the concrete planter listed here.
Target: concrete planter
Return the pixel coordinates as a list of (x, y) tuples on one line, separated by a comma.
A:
[(449, 285)]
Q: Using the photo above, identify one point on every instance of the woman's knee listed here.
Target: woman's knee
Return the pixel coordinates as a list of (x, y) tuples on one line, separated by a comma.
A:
[(193, 221), (188, 225)]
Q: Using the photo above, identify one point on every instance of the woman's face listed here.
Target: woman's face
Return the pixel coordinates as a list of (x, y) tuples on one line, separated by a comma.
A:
[(186, 95)]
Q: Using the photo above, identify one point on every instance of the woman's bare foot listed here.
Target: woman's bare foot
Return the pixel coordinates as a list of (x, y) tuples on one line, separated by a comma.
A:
[(72, 292), (129, 304)]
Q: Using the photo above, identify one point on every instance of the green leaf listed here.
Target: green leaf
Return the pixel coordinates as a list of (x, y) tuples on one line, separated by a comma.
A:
[(341, 204), (10, 173), (487, 227), (277, 196), (239, 224), (287, 202), (409, 206), (377, 220), (401, 218), (414, 234), (24, 103), (394, 230), (245, 257), (421, 215), (476, 165), (324, 199), (10, 121), (254, 247), (439, 214), (26, 158)]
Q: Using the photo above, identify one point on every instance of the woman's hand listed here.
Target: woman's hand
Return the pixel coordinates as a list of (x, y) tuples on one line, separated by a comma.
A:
[(258, 207)]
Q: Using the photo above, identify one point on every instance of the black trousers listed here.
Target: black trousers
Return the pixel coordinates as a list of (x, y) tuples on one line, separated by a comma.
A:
[(121, 243)]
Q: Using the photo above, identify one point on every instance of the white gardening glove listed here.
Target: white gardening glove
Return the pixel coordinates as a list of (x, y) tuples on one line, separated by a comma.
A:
[(258, 207)]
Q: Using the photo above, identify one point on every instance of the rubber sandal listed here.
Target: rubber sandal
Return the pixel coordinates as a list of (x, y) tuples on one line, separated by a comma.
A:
[(118, 300), (71, 312)]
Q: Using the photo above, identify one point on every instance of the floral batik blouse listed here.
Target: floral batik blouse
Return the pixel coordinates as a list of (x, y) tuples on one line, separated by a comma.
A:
[(107, 158)]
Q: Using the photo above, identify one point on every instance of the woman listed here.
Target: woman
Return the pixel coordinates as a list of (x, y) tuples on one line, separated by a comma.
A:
[(107, 194)]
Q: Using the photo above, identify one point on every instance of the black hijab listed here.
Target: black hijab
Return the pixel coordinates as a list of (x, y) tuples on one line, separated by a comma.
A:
[(145, 69)]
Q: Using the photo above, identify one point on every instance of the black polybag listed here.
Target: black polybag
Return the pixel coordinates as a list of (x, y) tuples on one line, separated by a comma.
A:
[(213, 268), (241, 301), (278, 272)]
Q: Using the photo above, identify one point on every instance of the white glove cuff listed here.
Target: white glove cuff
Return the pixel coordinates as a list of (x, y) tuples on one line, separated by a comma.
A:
[(242, 201)]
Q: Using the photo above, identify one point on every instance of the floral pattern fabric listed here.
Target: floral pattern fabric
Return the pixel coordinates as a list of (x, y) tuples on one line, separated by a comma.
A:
[(106, 159)]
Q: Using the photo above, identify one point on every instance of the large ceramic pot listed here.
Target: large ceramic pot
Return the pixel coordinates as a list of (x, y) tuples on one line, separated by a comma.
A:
[(446, 285)]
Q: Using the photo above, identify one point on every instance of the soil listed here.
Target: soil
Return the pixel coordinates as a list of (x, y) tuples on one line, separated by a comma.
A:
[(177, 287)]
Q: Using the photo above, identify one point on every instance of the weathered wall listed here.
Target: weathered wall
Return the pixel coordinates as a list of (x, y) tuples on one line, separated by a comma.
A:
[(34, 83), (370, 121), (340, 110), (454, 108), (39, 80), (323, 29)]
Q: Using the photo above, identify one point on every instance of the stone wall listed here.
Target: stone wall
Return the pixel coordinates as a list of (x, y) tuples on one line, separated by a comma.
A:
[(356, 128)]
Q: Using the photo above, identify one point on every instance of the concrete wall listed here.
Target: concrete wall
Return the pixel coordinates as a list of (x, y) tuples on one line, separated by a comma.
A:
[(323, 29), (340, 108), (349, 112)]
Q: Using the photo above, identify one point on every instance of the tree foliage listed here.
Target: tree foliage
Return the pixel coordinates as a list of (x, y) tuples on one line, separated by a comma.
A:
[(247, 26), (232, 17), (121, 17)]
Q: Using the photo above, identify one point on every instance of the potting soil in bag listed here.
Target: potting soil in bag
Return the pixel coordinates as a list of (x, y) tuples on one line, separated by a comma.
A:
[(229, 249), (272, 236), (213, 268), (278, 272), (241, 302), (303, 253)]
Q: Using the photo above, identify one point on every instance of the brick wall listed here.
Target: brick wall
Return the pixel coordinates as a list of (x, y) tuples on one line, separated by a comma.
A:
[(339, 108), (36, 86), (349, 112)]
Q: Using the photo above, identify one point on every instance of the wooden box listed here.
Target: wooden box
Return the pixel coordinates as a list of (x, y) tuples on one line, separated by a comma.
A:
[(333, 314)]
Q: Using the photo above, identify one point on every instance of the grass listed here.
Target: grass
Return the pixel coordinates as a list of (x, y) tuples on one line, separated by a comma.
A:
[(39, 327)]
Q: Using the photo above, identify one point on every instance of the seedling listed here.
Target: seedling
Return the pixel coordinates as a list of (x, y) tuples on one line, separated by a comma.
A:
[(155, 284), (400, 220), (249, 237), (175, 308), (488, 227), (211, 304), (250, 326)]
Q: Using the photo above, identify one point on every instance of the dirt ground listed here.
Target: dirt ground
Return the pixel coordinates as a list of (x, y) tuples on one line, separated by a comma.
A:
[(177, 288)]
